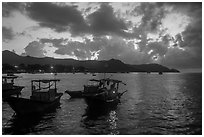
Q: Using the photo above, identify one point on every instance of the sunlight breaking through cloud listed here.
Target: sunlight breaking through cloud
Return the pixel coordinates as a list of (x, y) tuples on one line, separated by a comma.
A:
[(132, 32), (175, 23)]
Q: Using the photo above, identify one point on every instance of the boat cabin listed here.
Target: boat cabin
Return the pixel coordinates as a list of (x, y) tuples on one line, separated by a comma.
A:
[(8, 81), (44, 90), (94, 85)]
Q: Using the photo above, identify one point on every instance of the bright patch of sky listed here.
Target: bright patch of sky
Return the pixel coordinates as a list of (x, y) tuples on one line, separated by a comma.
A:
[(95, 55), (124, 37), (15, 22), (175, 23)]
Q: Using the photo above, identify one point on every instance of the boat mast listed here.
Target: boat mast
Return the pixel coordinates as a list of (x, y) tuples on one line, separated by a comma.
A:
[(49, 85), (39, 84), (55, 86)]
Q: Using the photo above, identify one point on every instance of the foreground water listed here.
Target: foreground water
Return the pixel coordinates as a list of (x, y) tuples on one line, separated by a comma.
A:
[(154, 104)]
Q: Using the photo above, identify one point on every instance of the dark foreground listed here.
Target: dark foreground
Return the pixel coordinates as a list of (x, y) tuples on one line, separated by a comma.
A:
[(154, 104)]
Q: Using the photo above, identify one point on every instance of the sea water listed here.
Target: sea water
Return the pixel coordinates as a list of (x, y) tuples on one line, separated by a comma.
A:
[(154, 104)]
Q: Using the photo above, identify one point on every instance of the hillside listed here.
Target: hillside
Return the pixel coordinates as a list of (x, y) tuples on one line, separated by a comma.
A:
[(112, 65)]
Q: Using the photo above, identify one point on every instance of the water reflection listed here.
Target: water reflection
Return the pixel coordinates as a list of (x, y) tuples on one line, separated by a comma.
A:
[(19, 125), (154, 104), (103, 118), (113, 123), (182, 105)]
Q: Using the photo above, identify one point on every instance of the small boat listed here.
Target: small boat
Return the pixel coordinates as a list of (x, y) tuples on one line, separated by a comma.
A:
[(8, 87), (75, 94), (160, 73), (41, 100), (103, 91)]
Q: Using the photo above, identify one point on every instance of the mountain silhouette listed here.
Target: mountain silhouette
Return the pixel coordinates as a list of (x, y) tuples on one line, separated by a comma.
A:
[(112, 65)]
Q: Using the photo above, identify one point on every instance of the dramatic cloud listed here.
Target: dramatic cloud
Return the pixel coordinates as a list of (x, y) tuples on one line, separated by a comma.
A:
[(165, 33), (80, 50), (191, 38), (102, 48), (35, 49), (152, 16), (59, 18), (7, 34), (179, 59), (104, 22), (8, 8)]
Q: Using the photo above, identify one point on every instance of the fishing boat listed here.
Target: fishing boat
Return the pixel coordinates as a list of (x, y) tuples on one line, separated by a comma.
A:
[(103, 91), (8, 87), (75, 94), (42, 99)]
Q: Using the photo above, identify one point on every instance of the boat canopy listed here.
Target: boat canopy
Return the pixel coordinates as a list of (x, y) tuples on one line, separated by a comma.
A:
[(96, 80), (37, 86), (111, 80), (9, 77), (46, 80), (107, 79)]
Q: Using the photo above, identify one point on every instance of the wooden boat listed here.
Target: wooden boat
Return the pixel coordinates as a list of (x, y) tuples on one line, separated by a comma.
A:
[(41, 100), (8, 87), (104, 91), (75, 94)]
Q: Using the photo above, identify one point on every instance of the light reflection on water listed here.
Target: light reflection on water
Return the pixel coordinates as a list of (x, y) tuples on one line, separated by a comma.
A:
[(113, 123), (154, 104)]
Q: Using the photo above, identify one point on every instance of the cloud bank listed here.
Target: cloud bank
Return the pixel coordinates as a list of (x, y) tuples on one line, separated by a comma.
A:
[(165, 33)]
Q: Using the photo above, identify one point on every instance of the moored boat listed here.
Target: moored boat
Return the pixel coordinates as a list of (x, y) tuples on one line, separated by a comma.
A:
[(160, 73), (8, 87), (102, 92), (41, 100)]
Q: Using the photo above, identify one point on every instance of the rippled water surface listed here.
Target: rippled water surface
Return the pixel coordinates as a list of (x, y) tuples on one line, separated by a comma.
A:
[(154, 104)]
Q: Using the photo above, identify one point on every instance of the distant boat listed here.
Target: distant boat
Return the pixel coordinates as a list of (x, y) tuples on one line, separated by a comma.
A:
[(8, 87), (93, 74), (41, 100), (160, 73), (103, 91)]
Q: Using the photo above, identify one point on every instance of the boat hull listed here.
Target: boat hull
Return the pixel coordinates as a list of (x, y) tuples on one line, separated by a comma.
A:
[(15, 90), (100, 103), (23, 106), (100, 100)]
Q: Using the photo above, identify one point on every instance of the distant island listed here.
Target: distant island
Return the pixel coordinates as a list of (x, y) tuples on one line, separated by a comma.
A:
[(25, 64)]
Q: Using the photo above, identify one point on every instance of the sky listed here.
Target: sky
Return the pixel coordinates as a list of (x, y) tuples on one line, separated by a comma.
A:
[(166, 33)]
